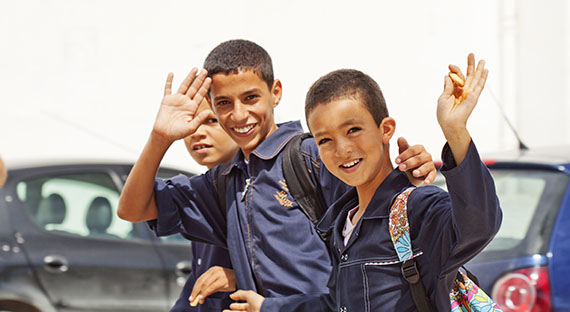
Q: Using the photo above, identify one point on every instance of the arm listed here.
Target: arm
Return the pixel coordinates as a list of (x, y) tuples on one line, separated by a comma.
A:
[(467, 218), (176, 119)]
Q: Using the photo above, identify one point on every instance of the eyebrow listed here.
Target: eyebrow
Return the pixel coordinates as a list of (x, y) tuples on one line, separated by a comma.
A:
[(223, 97), (348, 122)]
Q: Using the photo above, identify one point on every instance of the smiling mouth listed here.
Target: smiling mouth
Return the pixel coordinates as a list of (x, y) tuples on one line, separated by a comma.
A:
[(245, 129), (351, 163), (200, 147)]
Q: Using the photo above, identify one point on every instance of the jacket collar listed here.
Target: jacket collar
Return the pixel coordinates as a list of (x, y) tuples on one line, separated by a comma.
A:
[(379, 206), (270, 147)]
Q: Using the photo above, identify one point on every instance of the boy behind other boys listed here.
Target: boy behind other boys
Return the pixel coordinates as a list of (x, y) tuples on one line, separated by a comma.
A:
[(348, 118), (209, 146)]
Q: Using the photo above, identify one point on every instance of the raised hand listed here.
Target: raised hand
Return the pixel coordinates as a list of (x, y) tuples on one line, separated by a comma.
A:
[(176, 117), (456, 103)]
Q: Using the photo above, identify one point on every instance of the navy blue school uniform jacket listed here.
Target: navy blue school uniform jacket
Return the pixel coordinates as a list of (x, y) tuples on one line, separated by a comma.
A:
[(447, 229), (204, 256), (274, 248)]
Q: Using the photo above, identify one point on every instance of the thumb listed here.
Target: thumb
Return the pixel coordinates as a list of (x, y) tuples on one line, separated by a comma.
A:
[(402, 145)]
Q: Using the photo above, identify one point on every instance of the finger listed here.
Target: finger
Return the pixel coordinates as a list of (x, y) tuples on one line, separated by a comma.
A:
[(415, 161), (198, 81), (203, 91), (408, 154), (402, 146), (168, 85), (456, 70), (197, 121), (195, 302), (197, 289), (236, 306), (470, 64), (448, 87), (430, 177), (186, 82), (424, 170), (238, 295)]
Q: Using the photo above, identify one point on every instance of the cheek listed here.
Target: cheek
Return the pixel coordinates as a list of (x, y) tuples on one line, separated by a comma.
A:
[(327, 156)]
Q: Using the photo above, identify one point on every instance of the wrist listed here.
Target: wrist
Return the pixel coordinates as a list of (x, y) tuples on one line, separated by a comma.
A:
[(159, 141)]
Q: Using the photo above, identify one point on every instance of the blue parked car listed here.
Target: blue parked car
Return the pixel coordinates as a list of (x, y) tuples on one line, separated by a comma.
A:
[(527, 265)]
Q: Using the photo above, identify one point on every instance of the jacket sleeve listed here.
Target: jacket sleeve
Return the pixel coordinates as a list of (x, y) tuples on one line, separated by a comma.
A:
[(189, 206), (465, 220)]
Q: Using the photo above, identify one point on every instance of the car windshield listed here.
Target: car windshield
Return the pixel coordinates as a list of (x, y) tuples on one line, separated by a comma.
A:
[(530, 200)]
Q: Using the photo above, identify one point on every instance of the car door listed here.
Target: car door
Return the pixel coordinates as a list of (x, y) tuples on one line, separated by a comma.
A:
[(85, 257), (174, 250)]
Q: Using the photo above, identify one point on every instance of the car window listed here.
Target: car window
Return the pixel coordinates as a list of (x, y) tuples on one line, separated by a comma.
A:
[(82, 204), (530, 200)]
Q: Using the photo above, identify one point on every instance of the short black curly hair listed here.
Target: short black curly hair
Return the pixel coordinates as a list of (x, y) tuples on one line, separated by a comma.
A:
[(233, 56)]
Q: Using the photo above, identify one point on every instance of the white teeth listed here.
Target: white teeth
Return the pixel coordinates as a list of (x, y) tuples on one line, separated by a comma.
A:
[(244, 129), (350, 163), (197, 148)]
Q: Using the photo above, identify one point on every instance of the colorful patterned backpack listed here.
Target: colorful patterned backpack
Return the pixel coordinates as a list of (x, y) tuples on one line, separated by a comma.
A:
[(465, 295)]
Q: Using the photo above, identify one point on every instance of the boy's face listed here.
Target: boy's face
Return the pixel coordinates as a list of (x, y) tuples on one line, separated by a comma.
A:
[(244, 105), (210, 145), (351, 145)]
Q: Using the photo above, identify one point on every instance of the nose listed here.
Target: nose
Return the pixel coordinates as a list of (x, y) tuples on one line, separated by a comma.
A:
[(199, 134), (239, 112), (343, 148)]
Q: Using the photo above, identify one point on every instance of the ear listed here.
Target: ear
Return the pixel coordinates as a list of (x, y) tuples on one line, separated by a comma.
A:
[(276, 92), (387, 129)]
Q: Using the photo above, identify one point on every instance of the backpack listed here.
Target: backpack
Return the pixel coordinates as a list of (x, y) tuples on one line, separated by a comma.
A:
[(465, 295), (298, 180)]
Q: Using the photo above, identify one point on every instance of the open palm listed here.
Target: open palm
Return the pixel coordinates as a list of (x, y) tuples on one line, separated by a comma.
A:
[(176, 116), (456, 103)]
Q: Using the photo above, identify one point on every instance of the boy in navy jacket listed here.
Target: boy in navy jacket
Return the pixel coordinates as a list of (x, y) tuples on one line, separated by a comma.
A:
[(348, 118)]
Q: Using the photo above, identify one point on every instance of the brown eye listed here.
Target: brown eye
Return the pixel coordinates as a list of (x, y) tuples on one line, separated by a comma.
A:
[(353, 129), (323, 141)]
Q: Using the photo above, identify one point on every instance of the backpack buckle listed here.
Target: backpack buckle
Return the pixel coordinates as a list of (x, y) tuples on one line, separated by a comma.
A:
[(410, 271)]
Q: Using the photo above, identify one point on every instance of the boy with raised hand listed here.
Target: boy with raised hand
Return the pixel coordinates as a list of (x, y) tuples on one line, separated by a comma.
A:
[(348, 118), (211, 272), (273, 246)]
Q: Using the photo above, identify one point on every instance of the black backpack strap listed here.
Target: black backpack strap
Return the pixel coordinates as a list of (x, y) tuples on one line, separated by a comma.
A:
[(299, 182), (411, 274), (401, 238), (221, 185)]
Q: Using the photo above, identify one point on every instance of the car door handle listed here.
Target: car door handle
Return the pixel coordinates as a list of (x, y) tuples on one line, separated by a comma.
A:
[(56, 264), (183, 267)]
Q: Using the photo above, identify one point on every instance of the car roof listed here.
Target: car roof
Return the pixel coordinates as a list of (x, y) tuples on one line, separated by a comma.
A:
[(53, 162), (553, 155)]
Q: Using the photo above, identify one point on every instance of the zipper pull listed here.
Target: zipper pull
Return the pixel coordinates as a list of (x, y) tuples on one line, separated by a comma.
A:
[(247, 184)]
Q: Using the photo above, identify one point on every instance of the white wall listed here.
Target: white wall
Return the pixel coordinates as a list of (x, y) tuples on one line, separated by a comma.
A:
[(82, 78)]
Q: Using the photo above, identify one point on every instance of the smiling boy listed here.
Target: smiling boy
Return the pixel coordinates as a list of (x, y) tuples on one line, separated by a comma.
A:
[(348, 118), (273, 246)]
